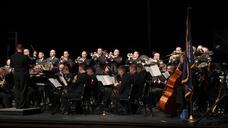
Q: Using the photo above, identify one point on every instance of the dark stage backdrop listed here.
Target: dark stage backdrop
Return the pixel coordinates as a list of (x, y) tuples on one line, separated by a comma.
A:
[(78, 25)]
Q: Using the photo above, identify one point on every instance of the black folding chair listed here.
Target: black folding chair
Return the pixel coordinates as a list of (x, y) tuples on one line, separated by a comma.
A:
[(141, 99), (127, 100), (74, 102)]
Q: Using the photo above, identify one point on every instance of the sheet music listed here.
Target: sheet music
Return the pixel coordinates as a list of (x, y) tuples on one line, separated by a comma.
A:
[(153, 70), (109, 80), (148, 69), (63, 80), (100, 78), (55, 82), (106, 79), (166, 74)]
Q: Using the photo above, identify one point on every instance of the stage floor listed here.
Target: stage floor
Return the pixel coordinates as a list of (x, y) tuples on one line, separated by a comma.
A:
[(158, 119)]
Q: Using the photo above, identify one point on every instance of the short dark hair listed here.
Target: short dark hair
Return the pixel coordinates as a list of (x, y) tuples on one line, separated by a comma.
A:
[(90, 68), (133, 66), (19, 47), (139, 66), (83, 66), (122, 68)]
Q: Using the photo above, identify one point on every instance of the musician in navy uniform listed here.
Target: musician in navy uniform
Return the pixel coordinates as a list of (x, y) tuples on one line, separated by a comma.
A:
[(41, 59), (75, 90), (53, 59), (20, 63), (127, 80)]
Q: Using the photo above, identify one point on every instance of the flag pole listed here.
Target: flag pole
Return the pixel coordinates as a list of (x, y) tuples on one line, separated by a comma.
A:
[(191, 118)]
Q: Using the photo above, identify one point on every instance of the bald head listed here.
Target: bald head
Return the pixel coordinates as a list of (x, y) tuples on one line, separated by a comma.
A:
[(52, 53), (26, 52), (156, 56)]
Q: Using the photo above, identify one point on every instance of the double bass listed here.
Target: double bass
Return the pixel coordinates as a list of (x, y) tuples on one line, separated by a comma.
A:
[(168, 100)]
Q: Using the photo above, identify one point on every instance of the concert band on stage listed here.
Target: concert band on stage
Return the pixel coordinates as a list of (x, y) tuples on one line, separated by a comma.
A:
[(103, 81)]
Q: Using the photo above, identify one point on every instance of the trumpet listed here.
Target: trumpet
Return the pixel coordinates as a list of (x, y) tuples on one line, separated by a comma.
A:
[(129, 56), (63, 59), (79, 60), (111, 55), (94, 55)]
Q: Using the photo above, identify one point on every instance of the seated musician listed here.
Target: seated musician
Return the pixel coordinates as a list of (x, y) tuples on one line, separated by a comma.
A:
[(7, 66), (141, 77), (40, 59), (64, 75), (125, 87), (65, 78), (132, 58), (75, 89), (155, 59), (66, 60), (6, 85), (34, 93), (121, 71), (93, 90)]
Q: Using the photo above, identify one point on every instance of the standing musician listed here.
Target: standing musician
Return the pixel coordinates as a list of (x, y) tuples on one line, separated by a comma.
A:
[(20, 63), (100, 61), (54, 60), (40, 59), (132, 58), (115, 60), (83, 59), (66, 60)]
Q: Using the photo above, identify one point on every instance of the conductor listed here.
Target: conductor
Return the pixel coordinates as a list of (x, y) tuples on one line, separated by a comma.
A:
[(20, 63)]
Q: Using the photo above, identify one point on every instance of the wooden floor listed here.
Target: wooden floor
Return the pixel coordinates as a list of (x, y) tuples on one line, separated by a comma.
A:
[(14, 111), (157, 120)]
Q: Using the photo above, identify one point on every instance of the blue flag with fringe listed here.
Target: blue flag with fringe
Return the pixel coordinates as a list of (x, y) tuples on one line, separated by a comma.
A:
[(187, 59)]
